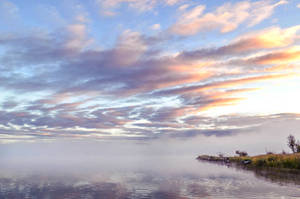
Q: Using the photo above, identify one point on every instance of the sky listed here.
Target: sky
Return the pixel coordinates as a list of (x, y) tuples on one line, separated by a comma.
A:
[(169, 73)]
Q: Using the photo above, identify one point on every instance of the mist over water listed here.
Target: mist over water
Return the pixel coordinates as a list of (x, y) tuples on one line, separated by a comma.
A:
[(80, 169)]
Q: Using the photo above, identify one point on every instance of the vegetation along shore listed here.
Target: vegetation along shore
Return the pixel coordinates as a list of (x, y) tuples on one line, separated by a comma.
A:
[(283, 161)]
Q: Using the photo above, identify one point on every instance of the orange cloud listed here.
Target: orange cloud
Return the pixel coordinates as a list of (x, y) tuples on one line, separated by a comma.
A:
[(243, 81), (220, 103), (273, 37), (278, 57), (228, 93), (222, 84), (270, 38), (223, 98), (281, 67)]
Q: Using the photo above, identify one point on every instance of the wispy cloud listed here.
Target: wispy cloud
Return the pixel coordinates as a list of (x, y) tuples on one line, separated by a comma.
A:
[(225, 18), (270, 38), (8, 10), (108, 7)]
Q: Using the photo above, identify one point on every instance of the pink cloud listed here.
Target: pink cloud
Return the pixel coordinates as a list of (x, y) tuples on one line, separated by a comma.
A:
[(225, 18)]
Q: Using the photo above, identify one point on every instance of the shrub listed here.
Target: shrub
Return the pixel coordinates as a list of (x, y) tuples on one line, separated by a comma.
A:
[(260, 162), (241, 153), (297, 147), (283, 152)]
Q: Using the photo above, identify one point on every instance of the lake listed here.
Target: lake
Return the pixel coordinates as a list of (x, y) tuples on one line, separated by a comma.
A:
[(157, 177)]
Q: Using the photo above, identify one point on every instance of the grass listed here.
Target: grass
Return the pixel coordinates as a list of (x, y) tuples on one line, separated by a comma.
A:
[(281, 161), (210, 158)]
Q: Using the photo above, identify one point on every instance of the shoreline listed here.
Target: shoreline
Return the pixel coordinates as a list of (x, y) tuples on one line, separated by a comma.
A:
[(270, 166), (283, 162)]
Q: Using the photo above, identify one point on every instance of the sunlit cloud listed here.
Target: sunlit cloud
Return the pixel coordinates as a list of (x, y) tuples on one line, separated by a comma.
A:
[(225, 18), (141, 82), (155, 26), (280, 58)]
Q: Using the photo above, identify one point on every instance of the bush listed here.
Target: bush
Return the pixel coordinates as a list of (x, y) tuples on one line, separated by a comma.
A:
[(241, 153), (260, 162), (298, 147)]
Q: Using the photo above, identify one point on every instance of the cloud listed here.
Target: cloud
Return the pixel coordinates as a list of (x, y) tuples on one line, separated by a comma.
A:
[(292, 55), (225, 18), (82, 18), (9, 104), (108, 7), (274, 37), (183, 7), (240, 122), (270, 38), (263, 11), (8, 10), (77, 36), (167, 122), (219, 84), (43, 47), (281, 60), (129, 48), (172, 2), (65, 86), (155, 27), (125, 65)]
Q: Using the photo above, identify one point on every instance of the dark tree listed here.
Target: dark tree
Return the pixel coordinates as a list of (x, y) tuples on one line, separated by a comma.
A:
[(298, 147), (241, 153), (292, 143)]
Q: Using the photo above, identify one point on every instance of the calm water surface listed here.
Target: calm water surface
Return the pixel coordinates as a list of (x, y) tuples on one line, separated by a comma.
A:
[(137, 177)]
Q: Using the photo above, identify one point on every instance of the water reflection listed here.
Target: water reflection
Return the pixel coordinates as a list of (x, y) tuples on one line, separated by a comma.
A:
[(31, 188), (280, 176), (152, 177), (275, 175)]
